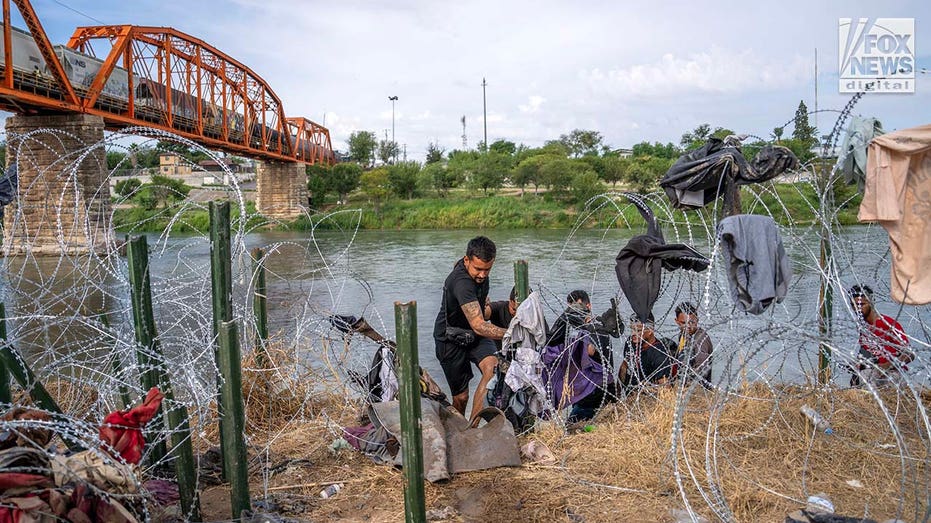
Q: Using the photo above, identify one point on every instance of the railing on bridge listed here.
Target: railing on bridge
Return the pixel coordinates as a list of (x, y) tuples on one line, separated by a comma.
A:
[(155, 77)]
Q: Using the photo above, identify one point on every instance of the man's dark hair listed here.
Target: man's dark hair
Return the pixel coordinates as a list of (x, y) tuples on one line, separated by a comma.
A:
[(861, 290), (578, 295), (687, 307), (482, 248), (513, 295)]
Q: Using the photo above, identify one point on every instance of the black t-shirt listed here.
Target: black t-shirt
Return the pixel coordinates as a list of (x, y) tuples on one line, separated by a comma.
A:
[(655, 362), (458, 290)]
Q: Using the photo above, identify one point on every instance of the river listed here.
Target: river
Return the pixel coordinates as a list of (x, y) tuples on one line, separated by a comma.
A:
[(366, 272)]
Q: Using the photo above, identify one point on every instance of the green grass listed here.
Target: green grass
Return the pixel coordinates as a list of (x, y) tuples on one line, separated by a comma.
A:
[(188, 219)]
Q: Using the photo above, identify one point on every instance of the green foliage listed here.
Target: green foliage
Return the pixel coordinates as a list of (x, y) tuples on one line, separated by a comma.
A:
[(144, 157), (344, 178), (656, 150), (554, 148), (402, 178), (644, 173), (161, 192), (489, 171), (801, 149), (439, 178), (3, 155), (388, 151), (138, 219), (362, 145), (528, 171), (804, 131), (127, 187), (698, 136), (557, 174), (505, 147), (580, 143), (117, 159), (615, 169), (434, 153), (376, 186), (318, 184), (586, 185)]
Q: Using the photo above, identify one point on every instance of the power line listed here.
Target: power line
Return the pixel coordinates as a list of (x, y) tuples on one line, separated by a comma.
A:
[(101, 22)]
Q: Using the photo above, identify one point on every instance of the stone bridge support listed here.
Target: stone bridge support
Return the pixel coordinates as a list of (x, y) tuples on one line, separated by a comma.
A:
[(281, 189), (63, 201)]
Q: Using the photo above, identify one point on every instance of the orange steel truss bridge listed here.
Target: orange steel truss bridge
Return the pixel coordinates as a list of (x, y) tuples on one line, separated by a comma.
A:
[(155, 77)]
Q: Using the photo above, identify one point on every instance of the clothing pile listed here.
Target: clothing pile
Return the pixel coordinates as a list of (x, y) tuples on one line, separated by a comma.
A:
[(38, 485)]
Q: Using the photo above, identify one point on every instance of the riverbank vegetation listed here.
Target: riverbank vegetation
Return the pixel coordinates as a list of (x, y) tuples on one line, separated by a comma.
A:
[(506, 186)]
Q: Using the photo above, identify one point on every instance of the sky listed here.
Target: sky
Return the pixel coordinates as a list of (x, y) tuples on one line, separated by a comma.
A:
[(633, 71)]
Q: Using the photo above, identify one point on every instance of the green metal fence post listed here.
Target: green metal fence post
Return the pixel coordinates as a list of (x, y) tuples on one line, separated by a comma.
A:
[(405, 319), (521, 280), (153, 376), (115, 364), (15, 365), (137, 254), (221, 279), (5, 394), (260, 306), (233, 420)]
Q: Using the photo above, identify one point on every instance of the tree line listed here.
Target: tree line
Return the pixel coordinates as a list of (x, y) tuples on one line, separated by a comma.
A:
[(572, 168)]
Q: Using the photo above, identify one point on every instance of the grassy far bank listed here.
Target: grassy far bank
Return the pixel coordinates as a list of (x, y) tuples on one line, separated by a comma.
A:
[(789, 204)]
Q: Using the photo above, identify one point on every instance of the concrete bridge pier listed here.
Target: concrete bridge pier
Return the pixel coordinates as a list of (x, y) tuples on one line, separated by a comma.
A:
[(63, 205), (281, 189)]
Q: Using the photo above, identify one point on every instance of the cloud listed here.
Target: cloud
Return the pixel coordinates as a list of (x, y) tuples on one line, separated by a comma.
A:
[(715, 71), (533, 104)]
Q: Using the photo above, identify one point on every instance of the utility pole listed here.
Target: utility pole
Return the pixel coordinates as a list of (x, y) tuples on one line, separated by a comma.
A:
[(485, 112), (393, 99)]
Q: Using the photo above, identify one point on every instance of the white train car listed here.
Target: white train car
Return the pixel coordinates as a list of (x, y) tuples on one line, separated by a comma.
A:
[(82, 70), (26, 56)]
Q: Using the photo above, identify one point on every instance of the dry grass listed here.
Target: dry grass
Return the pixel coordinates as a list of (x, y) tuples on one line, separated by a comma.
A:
[(765, 458), (756, 446)]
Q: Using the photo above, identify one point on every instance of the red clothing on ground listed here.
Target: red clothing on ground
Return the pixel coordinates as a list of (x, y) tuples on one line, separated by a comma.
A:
[(884, 339)]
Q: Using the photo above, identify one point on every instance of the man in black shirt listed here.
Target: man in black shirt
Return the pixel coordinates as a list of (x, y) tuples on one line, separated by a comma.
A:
[(466, 308), (647, 358)]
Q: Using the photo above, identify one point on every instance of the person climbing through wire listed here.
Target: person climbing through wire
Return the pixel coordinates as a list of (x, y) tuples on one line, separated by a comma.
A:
[(579, 364), (884, 349), (462, 331)]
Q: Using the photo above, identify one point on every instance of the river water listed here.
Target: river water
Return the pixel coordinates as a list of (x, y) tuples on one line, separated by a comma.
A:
[(312, 275)]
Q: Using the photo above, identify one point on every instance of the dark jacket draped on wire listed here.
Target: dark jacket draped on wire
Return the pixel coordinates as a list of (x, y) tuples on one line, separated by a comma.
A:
[(639, 264), (698, 177)]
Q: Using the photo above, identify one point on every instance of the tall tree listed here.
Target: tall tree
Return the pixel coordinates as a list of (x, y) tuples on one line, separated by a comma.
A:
[(698, 135), (362, 146), (375, 185), (557, 174), (387, 151), (344, 178), (582, 143), (434, 153), (318, 184), (490, 171), (505, 147), (402, 178), (615, 169), (804, 131)]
